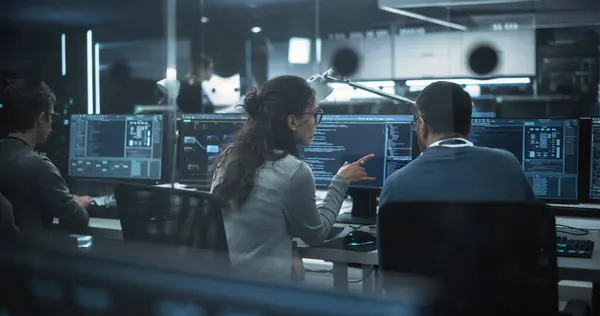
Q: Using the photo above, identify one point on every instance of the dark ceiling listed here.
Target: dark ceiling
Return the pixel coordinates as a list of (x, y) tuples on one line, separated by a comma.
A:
[(137, 18)]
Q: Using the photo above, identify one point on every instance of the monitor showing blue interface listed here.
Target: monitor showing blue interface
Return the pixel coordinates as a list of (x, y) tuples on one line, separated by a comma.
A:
[(338, 138), (546, 148), (595, 160), (202, 138), (116, 146)]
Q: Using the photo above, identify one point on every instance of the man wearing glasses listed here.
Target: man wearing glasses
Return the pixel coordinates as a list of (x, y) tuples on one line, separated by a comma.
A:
[(32, 184), (450, 168)]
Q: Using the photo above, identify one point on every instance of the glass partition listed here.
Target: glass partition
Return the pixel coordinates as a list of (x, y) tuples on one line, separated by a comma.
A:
[(149, 92)]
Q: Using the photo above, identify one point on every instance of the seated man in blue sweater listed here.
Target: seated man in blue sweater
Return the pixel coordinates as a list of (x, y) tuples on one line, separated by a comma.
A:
[(450, 168)]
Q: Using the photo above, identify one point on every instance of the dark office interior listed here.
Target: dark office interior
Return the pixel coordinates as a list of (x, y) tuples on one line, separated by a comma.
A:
[(174, 190)]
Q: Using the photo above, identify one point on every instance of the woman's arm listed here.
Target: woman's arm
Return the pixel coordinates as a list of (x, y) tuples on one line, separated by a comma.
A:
[(306, 220)]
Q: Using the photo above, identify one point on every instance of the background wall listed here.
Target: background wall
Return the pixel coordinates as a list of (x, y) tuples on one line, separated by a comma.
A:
[(147, 58), (399, 57)]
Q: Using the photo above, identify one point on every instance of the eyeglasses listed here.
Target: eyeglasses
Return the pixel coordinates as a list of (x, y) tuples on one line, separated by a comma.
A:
[(318, 115), (415, 122), (53, 116)]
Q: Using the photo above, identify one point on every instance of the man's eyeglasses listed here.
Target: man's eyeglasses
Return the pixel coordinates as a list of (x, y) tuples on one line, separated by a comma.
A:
[(414, 122), (53, 116)]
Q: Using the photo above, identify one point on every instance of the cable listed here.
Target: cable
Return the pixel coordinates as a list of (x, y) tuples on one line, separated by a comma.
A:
[(356, 227), (364, 278), (579, 231)]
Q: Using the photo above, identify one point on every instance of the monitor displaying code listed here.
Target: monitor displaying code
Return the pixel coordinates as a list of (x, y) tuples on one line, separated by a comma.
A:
[(347, 138), (595, 160), (337, 139)]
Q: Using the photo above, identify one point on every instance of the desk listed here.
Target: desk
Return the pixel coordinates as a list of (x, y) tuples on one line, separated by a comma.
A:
[(584, 210), (568, 268), (574, 269)]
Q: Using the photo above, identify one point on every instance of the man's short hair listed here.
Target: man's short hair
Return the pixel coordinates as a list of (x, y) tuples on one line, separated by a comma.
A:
[(22, 102), (446, 108)]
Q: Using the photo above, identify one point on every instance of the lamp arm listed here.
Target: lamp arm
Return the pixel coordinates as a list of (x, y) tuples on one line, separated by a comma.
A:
[(369, 89)]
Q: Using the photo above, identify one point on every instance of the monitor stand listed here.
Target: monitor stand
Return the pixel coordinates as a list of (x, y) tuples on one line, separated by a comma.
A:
[(364, 208)]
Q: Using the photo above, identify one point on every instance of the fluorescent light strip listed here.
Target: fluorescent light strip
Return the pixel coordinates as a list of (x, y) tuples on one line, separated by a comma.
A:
[(97, 76), (496, 81), (424, 18), (63, 54), (455, 3), (318, 49), (90, 75)]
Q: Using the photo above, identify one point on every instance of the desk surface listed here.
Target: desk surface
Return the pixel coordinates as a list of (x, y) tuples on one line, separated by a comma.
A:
[(570, 268), (589, 206), (576, 269)]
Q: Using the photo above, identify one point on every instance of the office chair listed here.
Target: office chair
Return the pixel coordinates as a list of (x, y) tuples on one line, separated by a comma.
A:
[(8, 230), (172, 216), (488, 258)]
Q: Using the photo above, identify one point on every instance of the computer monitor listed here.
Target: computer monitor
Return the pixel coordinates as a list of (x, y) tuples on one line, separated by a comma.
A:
[(337, 139), (124, 147), (202, 136), (595, 160), (546, 148), (341, 138)]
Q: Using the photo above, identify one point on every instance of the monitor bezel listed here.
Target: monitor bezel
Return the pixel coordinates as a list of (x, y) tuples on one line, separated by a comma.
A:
[(166, 149)]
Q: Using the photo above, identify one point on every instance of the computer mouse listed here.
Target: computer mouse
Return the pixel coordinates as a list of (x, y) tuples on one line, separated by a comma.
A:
[(360, 241)]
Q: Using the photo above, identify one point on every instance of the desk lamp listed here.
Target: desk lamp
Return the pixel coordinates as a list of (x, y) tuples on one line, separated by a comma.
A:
[(320, 84)]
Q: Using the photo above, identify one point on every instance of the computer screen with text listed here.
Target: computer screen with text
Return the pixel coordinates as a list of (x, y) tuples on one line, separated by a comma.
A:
[(595, 160), (347, 138), (547, 149), (116, 146), (337, 139)]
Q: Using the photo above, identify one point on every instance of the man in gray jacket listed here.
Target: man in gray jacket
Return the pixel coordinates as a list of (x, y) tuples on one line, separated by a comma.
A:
[(33, 185)]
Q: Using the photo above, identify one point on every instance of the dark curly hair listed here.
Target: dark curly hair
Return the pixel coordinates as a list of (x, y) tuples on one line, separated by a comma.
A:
[(22, 101), (265, 131)]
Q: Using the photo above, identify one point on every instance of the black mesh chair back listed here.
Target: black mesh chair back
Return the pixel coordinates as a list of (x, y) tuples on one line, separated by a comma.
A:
[(490, 258), (172, 216)]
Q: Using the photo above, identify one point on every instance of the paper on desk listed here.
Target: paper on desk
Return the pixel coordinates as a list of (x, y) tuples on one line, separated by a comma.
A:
[(100, 201), (108, 200), (346, 206), (176, 185)]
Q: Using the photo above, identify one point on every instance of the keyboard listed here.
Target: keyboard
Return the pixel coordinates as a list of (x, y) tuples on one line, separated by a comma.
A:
[(574, 248)]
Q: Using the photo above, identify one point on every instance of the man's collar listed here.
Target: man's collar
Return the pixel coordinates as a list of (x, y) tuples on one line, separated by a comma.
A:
[(452, 142)]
